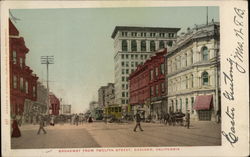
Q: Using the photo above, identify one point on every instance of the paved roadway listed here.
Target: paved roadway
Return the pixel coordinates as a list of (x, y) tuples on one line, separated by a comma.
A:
[(99, 134)]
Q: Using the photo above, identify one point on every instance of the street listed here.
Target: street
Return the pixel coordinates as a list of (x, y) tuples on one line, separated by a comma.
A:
[(99, 134)]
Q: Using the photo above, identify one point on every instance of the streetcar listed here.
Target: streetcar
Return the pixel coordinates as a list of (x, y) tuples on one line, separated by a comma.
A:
[(113, 111)]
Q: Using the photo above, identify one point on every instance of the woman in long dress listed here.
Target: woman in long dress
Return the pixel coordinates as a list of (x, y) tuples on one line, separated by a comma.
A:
[(16, 132)]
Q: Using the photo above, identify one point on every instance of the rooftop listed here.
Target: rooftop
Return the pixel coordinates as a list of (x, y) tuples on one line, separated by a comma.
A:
[(147, 29)]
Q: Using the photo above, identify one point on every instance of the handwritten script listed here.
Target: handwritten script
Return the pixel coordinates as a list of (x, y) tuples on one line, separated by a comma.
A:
[(235, 64)]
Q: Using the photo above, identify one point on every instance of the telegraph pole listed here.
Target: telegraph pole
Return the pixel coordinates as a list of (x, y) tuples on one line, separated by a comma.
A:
[(207, 16), (47, 60)]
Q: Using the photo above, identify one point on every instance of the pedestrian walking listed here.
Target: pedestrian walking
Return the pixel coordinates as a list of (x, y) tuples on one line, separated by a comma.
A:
[(76, 119), (15, 132), (52, 121), (41, 126), (138, 121), (187, 119), (90, 120)]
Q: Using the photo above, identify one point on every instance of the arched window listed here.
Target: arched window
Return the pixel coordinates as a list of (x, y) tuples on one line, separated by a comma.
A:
[(124, 45), (143, 45), (14, 81), (204, 52), (161, 44), (204, 77), (152, 46), (192, 80), (133, 45)]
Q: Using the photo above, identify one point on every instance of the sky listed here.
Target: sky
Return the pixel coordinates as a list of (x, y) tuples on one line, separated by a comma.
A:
[(80, 41)]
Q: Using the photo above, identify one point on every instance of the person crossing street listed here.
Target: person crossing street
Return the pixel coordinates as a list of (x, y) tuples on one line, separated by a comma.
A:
[(138, 121), (41, 125)]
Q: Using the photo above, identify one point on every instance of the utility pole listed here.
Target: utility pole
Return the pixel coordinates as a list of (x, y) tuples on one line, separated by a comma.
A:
[(47, 60)]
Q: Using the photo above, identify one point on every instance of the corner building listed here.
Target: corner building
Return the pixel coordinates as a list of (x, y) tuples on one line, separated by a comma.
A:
[(193, 72), (133, 46)]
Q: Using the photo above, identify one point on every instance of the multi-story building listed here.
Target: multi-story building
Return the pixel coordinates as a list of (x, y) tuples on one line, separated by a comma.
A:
[(106, 95), (33, 108), (54, 104), (23, 83), (193, 72), (147, 85), (133, 46)]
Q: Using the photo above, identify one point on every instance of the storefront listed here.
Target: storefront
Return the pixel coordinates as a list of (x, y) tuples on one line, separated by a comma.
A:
[(203, 105)]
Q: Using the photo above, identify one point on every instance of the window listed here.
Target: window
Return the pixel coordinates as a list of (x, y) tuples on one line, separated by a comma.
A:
[(123, 86), (162, 87), (192, 104), (124, 45), (204, 52), (14, 81), (123, 94), (156, 71), (161, 44), (122, 63), (126, 56), (34, 91), (181, 104), (26, 87), (21, 84), (186, 82), (186, 104), (204, 77), (136, 56), (123, 101), (122, 56), (132, 64), (152, 90), (21, 62), (127, 64), (141, 57), (151, 74), (127, 71), (192, 57), (123, 78), (126, 86), (185, 59), (156, 90), (152, 46), (192, 80), (176, 105), (143, 45), (170, 43), (132, 56), (162, 68), (133, 45), (14, 57)]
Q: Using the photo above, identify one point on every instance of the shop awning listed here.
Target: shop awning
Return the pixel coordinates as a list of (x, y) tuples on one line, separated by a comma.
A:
[(203, 102)]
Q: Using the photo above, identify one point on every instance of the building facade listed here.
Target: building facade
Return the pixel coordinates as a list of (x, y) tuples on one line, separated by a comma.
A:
[(193, 72), (54, 104), (147, 86), (106, 95), (34, 108), (23, 83), (133, 46)]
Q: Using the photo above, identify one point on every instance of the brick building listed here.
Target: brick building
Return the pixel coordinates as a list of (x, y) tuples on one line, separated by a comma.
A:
[(23, 83), (54, 104), (147, 85)]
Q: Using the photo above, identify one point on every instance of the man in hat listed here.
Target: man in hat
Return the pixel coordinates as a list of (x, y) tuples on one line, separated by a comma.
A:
[(187, 119), (138, 120)]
